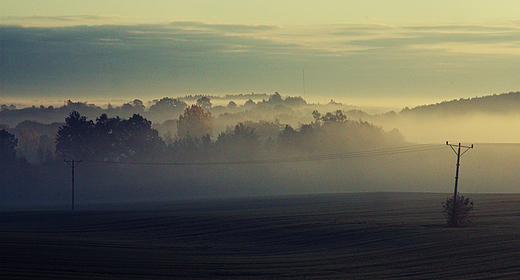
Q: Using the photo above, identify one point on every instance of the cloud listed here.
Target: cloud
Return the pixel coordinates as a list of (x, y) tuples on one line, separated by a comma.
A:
[(73, 18), (126, 57), (64, 20), (199, 57), (445, 39), (233, 28)]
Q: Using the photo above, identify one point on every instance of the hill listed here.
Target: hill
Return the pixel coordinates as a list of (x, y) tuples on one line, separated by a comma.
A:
[(504, 103)]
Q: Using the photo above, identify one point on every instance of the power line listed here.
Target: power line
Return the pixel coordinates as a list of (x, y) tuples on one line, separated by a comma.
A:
[(366, 153), (347, 155), (504, 144)]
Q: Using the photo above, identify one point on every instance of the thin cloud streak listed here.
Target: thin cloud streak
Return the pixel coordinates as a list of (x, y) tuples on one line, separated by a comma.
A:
[(72, 18), (50, 21)]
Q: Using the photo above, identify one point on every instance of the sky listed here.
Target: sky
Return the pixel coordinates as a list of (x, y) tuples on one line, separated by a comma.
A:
[(371, 52)]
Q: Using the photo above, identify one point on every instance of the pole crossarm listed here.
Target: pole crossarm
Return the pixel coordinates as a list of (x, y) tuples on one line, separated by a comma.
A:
[(73, 163), (459, 146)]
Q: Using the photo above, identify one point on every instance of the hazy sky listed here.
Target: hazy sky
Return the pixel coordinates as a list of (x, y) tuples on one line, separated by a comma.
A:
[(383, 52)]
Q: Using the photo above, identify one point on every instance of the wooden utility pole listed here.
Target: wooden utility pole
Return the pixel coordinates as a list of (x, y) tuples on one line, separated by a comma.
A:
[(453, 221), (72, 164)]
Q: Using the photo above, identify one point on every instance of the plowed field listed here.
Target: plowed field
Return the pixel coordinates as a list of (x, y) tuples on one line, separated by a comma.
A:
[(345, 236)]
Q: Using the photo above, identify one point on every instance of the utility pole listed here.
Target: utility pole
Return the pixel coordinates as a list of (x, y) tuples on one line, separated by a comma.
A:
[(303, 81), (453, 220), (72, 164)]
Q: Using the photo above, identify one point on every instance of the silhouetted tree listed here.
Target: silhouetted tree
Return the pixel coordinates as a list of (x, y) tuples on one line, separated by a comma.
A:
[(138, 105), (241, 134), (316, 116), (287, 137), (194, 122), (168, 130), (249, 103), (168, 106), (8, 143), (232, 105), (266, 129), (108, 135), (305, 138), (294, 101), (242, 141), (458, 214), (139, 140), (275, 98), (336, 117), (128, 109), (204, 102), (74, 139), (130, 139), (82, 107), (108, 139), (333, 132)]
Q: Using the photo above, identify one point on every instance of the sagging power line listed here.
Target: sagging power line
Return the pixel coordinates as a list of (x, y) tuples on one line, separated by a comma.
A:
[(358, 154), (368, 153)]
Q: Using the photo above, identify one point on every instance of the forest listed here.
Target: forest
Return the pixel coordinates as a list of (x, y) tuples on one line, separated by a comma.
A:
[(171, 149)]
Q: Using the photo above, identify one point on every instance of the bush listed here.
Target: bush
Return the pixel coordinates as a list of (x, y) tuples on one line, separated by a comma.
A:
[(460, 214)]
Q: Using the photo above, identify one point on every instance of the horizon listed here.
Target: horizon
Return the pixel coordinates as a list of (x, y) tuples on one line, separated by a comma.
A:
[(372, 107)]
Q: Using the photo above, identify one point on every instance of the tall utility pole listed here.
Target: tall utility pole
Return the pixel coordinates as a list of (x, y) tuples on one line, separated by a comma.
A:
[(73, 164), (303, 81), (459, 154)]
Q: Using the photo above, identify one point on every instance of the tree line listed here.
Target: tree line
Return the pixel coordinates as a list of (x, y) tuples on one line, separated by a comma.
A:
[(157, 110), (134, 139), (32, 168)]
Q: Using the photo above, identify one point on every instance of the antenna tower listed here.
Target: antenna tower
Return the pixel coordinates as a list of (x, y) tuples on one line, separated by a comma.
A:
[(303, 83)]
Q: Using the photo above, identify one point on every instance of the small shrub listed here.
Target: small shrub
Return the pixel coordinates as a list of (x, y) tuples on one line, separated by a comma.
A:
[(460, 214)]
